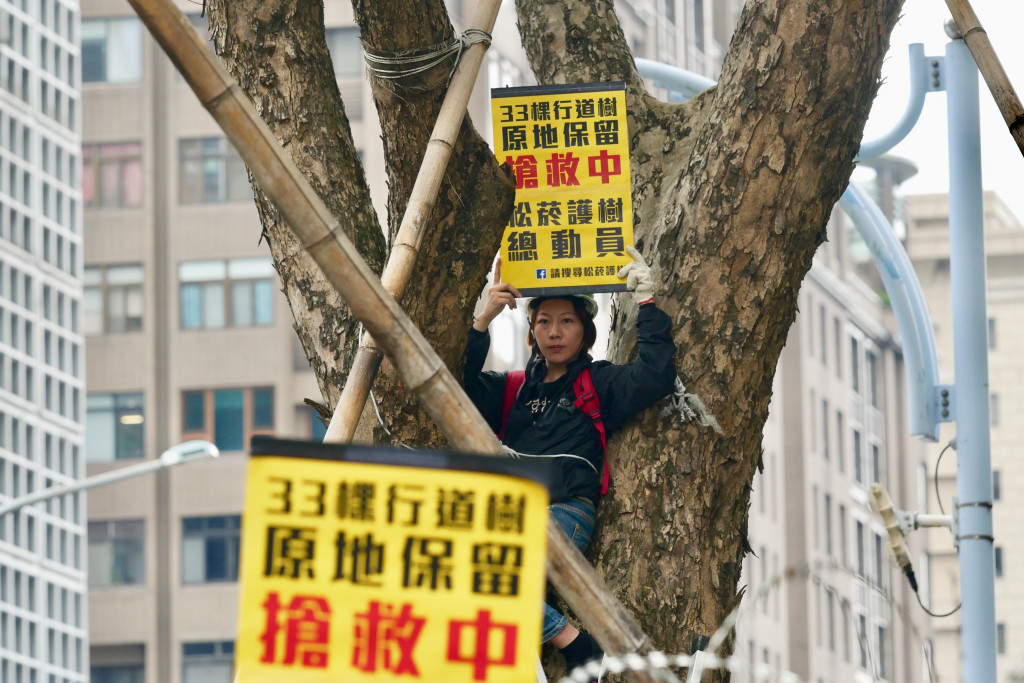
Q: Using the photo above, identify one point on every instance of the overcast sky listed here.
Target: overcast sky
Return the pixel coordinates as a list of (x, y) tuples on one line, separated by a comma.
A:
[(927, 146)]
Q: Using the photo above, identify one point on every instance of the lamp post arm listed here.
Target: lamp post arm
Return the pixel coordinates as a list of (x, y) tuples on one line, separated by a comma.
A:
[(175, 455)]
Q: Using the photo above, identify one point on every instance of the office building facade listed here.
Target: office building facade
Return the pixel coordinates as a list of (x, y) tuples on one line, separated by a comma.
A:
[(929, 249), (43, 610), (837, 424)]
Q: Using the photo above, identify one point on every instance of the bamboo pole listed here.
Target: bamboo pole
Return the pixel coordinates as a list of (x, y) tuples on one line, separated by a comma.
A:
[(406, 247), (991, 68), (419, 367)]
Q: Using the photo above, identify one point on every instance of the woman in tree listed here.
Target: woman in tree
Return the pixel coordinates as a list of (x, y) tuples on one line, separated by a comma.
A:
[(548, 417)]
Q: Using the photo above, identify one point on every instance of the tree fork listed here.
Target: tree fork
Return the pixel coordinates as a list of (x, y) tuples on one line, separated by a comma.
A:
[(414, 222), (420, 368), (732, 191)]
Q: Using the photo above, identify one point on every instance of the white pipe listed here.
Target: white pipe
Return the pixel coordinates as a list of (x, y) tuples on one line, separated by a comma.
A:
[(970, 366), (915, 103)]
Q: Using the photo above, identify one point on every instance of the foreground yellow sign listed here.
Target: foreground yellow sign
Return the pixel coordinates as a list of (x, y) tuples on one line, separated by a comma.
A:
[(357, 571), (569, 149)]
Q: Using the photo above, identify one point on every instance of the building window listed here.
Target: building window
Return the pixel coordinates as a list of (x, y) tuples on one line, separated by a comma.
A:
[(858, 457), (844, 606), (837, 333), (114, 427), (879, 561), (872, 370), (814, 423), (228, 417), (998, 561), (235, 293), (843, 558), (823, 345), (883, 653), (841, 436), (991, 333), (993, 409), (828, 524), (111, 50), (1001, 639), (115, 553), (117, 674), (112, 175), (698, 24), (207, 662), (346, 52), (860, 549), (831, 602), (825, 417), (211, 172), (318, 430), (210, 549), (854, 364), (862, 640), (876, 463), (997, 485), (112, 299)]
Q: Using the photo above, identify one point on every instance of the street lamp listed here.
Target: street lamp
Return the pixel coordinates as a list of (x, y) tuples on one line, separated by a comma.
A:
[(186, 451)]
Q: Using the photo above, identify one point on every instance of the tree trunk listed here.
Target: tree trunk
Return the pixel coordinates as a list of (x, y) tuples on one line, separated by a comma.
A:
[(731, 193)]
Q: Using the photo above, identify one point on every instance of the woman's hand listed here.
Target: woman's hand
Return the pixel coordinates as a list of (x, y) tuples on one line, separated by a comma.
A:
[(638, 276), (500, 295)]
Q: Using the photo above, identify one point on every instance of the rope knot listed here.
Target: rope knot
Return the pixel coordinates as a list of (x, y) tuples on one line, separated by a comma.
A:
[(394, 67), (690, 407)]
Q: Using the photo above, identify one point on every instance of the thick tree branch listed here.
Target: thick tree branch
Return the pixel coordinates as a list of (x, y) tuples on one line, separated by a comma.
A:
[(471, 209), (277, 51)]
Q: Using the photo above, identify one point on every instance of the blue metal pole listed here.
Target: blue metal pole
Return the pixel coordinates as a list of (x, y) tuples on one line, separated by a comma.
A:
[(970, 361)]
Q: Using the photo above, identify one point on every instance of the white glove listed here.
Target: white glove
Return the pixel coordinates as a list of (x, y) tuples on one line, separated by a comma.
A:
[(638, 276)]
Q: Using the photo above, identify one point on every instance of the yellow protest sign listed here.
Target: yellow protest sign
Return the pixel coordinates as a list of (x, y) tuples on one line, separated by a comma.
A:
[(354, 570), (569, 149)]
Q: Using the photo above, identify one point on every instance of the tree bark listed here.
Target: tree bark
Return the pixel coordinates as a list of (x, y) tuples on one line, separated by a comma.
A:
[(731, 193), (278, 52)]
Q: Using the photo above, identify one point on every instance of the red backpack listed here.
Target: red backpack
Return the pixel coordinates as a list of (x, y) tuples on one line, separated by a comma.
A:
[(586, 400)]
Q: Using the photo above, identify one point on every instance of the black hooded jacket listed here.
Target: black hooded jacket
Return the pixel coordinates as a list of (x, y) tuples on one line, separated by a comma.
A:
[(562, 428)]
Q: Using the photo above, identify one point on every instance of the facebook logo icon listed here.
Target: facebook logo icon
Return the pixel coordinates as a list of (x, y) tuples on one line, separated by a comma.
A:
[(542, 273)]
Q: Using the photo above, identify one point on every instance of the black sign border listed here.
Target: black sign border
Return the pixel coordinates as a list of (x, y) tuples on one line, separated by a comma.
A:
[(567, 88), (538, 470)]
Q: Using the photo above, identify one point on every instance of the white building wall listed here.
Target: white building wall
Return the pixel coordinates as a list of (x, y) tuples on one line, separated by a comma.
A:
[(43, 634)]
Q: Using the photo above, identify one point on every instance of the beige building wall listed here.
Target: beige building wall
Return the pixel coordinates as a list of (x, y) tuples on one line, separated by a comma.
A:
[(928, 246), (837, 423), (150, 622)]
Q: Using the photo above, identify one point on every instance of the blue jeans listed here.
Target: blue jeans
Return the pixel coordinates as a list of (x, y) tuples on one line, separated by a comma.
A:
[(576, 518)]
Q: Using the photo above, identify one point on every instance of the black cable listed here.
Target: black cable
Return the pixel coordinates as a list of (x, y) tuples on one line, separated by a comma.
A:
[(947, 614), (908, 570), (936, 479)]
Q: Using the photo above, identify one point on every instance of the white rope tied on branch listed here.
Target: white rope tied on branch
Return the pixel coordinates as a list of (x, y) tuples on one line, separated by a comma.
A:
[(690, 408), (394, 66)]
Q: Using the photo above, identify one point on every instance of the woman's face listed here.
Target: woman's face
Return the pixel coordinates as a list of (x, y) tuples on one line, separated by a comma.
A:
[(558, 331)]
